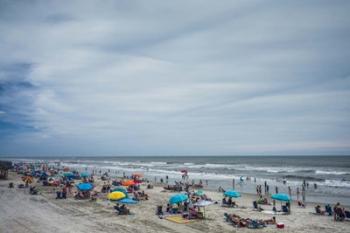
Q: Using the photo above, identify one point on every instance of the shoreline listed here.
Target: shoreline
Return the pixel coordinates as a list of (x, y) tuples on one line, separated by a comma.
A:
[(332, 179)]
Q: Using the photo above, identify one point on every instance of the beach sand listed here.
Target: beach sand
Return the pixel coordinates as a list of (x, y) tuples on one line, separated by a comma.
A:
[(21, 212)]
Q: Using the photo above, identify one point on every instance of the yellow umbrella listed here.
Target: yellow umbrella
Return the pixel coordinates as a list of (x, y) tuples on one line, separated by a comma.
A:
[(115, 196)]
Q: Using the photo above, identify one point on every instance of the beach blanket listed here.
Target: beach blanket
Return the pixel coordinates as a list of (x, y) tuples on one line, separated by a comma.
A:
[(178, 219), (273, 212)]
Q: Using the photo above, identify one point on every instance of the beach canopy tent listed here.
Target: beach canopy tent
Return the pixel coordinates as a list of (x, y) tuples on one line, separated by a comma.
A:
[(232, 193), (85, 174), (4, 167), (281, 197), (128, 182), (127, 201), (116, 196), (85, 186), (178, 198)]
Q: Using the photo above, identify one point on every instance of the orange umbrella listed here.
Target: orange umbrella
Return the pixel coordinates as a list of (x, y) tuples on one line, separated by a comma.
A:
[(128, 182)]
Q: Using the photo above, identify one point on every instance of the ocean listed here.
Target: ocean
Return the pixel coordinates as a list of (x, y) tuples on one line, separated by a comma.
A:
[(331, 174)]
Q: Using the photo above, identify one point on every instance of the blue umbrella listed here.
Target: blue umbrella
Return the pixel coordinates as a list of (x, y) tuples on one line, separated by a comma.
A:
[(177, 198), (127, 201), (232, 193), (199, 193), (85, 186), (281, 197), (84, 174), (68, 174)]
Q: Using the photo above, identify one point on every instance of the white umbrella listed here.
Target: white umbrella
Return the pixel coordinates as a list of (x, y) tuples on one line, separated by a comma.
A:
[(203, 203)]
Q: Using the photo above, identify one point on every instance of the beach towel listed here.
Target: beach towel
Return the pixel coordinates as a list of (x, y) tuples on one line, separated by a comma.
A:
[(273, 212), (178, 219)]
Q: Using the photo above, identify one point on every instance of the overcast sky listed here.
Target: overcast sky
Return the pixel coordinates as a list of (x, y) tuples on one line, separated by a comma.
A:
[(174, 77)]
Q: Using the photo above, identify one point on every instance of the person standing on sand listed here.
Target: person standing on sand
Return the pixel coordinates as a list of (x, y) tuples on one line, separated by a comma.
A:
[(260, 190), (303, 195), (298, 193), (276, 189), (290, 191)]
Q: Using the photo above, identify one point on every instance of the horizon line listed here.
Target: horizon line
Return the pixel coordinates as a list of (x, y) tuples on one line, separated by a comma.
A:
[(124, 156)]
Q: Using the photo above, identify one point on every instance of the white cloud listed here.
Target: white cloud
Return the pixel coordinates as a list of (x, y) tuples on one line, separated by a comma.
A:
[(156, 77)]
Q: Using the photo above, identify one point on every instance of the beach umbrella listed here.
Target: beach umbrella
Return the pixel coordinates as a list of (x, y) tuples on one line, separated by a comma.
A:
[(68, 174), (127, 201), (27, 179), (84, 174), (85, 186), (66, 169), (120, 189), (199, 193), (177, 198), (203, 203), (128, 182), (232, 193), (281, 197), (116, 196)]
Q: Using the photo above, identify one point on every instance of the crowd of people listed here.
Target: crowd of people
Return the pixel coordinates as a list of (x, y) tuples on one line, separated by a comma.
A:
[(64, 187)]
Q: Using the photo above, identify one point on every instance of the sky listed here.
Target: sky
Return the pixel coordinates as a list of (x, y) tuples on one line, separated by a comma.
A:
[(123, 77)]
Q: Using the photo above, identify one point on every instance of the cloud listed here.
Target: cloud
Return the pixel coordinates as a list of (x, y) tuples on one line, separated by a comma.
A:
[(156, 78)]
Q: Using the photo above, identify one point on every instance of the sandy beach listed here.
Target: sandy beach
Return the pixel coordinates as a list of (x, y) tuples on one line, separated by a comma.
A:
[(22, 212)]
